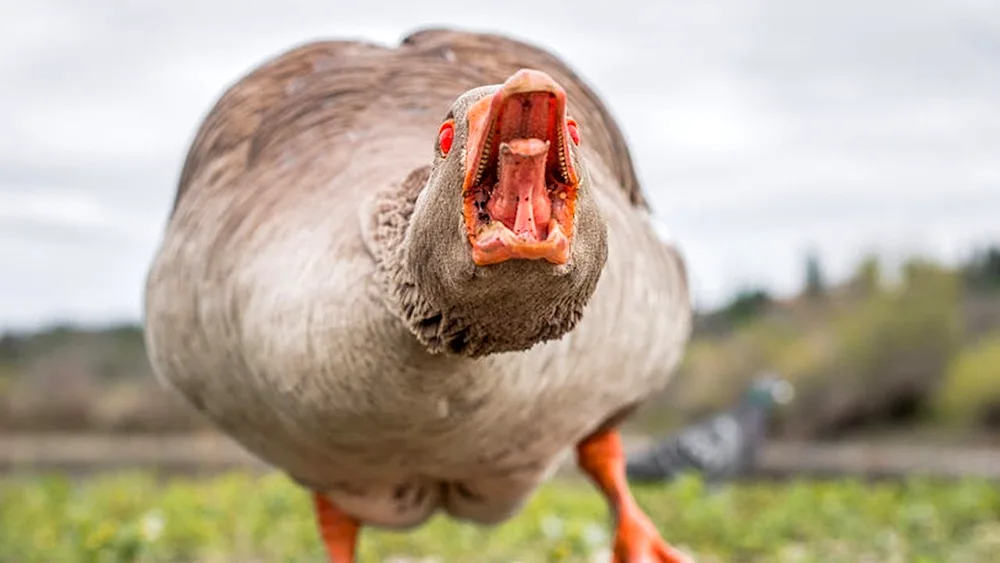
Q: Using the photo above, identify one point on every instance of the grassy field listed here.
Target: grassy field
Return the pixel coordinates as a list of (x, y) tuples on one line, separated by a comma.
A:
[(241, 518)]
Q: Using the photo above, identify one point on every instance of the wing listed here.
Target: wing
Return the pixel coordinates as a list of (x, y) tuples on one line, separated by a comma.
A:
[(712, 447), (277, 99), (332, 88)]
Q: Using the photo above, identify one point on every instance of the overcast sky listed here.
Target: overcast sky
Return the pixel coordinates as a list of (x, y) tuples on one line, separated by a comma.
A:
[(760, 129)]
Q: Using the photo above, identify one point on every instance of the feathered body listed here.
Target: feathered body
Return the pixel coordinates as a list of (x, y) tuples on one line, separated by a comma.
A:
[(279, 303)]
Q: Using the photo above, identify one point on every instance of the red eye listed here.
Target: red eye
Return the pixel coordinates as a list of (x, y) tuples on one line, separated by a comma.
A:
[(574, 133), (446, 136)]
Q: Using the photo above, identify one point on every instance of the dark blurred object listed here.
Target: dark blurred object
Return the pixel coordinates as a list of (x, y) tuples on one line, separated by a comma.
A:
[(722, 447)]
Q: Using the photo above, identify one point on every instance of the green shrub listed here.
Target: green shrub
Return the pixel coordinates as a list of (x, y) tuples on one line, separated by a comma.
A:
[(890, 348), (970, 393), (861, 357)]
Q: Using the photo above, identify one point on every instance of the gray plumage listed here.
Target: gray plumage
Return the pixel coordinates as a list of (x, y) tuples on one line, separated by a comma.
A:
[(315, 298), (722, 447)]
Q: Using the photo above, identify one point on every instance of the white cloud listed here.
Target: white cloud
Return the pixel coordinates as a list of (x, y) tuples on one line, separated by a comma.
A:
[(78, 210)]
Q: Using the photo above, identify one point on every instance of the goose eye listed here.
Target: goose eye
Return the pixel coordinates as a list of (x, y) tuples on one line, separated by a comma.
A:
[(446, 135), (574, 132)]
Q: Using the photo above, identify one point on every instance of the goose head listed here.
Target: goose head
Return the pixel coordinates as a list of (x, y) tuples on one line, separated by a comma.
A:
[(506, 239)]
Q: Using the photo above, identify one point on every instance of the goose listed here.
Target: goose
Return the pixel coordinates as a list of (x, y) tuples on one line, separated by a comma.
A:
[(416, 278)]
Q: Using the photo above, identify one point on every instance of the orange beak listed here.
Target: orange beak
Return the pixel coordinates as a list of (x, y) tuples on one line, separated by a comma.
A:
[(520, 181)]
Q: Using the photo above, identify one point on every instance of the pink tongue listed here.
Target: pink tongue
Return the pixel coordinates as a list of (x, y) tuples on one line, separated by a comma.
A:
[(519, 199)]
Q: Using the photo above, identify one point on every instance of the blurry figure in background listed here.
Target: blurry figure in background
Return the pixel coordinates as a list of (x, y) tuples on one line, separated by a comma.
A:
[(720, 448)]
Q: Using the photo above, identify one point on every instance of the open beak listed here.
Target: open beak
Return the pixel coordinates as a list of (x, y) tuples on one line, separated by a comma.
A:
[(520, 181)]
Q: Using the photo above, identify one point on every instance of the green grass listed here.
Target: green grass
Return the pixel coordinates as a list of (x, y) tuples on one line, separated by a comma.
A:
[(247, 519)]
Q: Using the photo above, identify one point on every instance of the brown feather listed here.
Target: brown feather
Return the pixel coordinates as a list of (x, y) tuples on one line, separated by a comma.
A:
[(335, 84)]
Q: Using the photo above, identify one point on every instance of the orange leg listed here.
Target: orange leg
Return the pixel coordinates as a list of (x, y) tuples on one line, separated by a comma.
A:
[(636, 539), (338, 530)]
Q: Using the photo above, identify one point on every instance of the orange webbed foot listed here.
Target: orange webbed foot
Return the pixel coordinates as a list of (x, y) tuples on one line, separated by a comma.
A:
[(636, 538), (338, 531), (638, 541)]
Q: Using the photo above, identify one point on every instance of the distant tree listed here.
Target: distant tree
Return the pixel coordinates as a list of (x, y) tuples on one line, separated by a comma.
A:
[(815, 283), (10, 348), (983, 270), (747, 304), (868, 276)]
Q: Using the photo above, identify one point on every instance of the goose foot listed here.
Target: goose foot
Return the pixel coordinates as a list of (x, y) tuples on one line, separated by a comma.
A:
[(636, 539), (338, 530)]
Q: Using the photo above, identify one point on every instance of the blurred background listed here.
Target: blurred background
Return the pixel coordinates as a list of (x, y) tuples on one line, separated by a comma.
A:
[(830, 171)]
